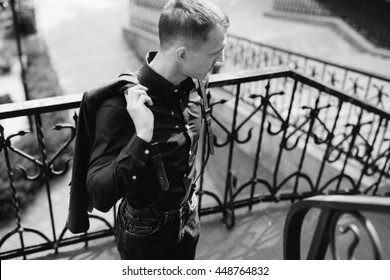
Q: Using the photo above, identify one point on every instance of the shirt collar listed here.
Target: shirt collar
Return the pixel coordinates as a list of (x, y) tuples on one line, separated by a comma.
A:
[(158, 84)]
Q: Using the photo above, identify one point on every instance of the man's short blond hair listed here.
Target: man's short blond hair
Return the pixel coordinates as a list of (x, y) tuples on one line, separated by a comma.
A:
[(191, 20)]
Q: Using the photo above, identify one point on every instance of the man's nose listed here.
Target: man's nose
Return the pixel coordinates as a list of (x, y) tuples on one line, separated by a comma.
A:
[(221, 58)]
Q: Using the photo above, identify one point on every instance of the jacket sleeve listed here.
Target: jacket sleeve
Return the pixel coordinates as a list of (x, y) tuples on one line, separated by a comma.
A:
[(118, 157)]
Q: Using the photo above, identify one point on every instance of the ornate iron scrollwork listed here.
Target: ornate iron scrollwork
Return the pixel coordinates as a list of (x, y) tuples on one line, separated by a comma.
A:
[(355, 224), (342, 219)]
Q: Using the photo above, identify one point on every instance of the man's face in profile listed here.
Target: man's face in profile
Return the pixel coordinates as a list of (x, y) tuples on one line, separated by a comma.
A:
[(202, 60)]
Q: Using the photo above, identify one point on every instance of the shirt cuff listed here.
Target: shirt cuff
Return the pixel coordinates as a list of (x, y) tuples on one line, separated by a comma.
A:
[(138, 148)]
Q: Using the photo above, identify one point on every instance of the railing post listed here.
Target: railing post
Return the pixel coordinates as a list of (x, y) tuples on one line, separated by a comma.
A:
[(285, 126), (4, 147), (45, 171), (232, 138), (264, 103)]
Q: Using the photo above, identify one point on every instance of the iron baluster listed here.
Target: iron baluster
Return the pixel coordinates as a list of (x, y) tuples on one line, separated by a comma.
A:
[(285, 126), (46, 173), (328, 148), (354, 134), (232, 138), (313, 116), (369, 150), (382, 172), (333, 79), (19, 229), (313, 72), (380, 96), (368, 88), (264, 103)]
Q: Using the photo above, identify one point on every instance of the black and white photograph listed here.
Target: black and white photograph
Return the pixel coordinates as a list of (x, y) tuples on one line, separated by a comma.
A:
[(203, 130)]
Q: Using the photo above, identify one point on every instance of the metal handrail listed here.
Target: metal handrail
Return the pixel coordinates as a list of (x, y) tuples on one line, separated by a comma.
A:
[(66, 102)]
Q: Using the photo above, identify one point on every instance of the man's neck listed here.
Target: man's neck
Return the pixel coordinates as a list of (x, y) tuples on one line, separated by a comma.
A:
[(165, 65)]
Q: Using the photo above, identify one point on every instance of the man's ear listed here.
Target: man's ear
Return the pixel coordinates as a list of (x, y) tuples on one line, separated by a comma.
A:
[(181, 54)]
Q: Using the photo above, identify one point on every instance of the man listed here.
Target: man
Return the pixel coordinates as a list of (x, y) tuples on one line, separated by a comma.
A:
[(160, 118)]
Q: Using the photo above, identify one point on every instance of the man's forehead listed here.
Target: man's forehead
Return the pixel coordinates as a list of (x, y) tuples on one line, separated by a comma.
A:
[(217, 38)]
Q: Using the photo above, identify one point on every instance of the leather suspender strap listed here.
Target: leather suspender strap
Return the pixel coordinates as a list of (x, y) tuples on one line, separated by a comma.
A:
[(159, 167), (206, 112), (160, 171)]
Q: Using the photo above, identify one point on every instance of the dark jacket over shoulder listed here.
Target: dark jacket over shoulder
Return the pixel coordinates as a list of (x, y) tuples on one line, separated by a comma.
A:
[(79, 203)]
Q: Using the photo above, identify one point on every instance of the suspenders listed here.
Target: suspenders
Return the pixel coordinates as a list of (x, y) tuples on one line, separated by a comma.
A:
[(206, 113), (156, 157)]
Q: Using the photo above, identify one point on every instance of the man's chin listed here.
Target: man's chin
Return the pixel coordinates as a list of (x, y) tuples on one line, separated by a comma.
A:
[(202, 77)]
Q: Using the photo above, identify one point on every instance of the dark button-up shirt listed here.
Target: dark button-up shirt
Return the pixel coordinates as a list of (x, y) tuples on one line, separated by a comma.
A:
[(120, 164)]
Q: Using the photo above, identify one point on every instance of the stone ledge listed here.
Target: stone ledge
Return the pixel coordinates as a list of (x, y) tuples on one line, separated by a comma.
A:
[(339, 26)]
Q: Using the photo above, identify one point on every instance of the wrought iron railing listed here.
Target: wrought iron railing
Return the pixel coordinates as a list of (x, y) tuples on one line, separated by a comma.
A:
[(374, 89), (368, 17), (263, 133), (324, 141), (44, 166), (348, 227)]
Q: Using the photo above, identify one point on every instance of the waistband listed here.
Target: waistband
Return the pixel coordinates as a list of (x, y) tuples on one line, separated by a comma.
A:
[(155, 214)]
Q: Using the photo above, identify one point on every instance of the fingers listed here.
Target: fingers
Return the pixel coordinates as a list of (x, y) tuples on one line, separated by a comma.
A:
[(135, 93), (138, 88), (128, 97), (145, 99)]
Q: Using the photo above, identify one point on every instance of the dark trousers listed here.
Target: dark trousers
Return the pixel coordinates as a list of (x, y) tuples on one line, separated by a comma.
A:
[(143, 235)]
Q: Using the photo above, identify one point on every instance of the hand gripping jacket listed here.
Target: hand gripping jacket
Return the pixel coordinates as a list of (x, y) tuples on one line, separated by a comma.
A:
[(79, 204)]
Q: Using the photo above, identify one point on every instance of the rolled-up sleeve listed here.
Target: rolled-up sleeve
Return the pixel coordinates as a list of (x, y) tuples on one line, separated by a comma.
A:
[(118, 158)]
